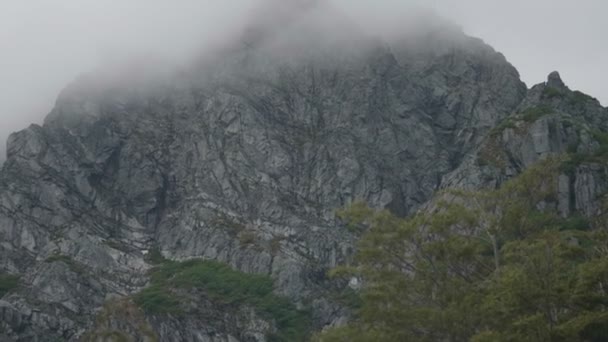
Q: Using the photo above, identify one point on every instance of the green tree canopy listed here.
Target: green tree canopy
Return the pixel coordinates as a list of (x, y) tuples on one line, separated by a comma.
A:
[(494, 265)]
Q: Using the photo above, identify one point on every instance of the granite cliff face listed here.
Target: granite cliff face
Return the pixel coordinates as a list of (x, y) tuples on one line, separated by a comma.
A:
[(244, 158), (552, 121)]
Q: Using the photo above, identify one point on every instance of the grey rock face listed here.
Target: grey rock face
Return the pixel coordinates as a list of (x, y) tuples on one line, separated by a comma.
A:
[(554, 80), (244, 160), (590, 184), (551, 121), (120, 318)]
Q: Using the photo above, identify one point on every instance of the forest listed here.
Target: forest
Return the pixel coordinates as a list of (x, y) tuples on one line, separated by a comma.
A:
[(491, 265)]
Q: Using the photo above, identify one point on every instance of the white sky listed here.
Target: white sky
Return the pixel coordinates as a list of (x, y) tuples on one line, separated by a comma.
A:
[(44, 44)]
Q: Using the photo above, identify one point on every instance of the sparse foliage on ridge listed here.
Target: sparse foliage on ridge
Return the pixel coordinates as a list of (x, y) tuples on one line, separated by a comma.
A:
[(225, 286)]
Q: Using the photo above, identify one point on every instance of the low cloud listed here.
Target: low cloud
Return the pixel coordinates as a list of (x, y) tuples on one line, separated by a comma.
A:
[(47, 44)]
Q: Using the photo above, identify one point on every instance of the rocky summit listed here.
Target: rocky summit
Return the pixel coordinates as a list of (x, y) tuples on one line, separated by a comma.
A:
[(201, 205)]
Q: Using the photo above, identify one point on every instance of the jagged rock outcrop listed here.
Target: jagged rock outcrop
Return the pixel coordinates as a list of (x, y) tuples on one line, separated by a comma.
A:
[(551, 121), (244, 158)]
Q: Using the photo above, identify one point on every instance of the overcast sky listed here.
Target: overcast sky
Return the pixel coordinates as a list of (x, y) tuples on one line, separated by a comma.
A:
[(44, 44)]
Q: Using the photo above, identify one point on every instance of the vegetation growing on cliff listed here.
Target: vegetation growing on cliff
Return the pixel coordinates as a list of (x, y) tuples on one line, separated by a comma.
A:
[(226, 286), (534, 113), (497, 265), (8, 283)]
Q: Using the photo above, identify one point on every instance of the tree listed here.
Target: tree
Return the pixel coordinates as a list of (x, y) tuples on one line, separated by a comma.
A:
[(493, 265)]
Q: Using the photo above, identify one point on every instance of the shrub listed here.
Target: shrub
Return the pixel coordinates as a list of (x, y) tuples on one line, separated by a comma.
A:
[(534, 113), (155, 257), (225, 285), (157, 299), (8, 283), (219, 280), (573, 147), (551, 92), (578, 97), (575, 222), (115, 336), (132, 323), (349, 298), (247, 238), (275, 245), (602, 139)]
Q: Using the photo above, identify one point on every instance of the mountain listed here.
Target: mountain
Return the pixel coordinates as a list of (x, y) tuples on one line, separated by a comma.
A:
[(200, 205)]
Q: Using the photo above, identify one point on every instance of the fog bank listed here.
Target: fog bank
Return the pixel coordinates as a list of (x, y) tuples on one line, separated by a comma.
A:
[(46, 44)]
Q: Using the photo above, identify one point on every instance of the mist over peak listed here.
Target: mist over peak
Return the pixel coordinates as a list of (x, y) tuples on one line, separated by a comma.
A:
[(48, 44), (272, 33)]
